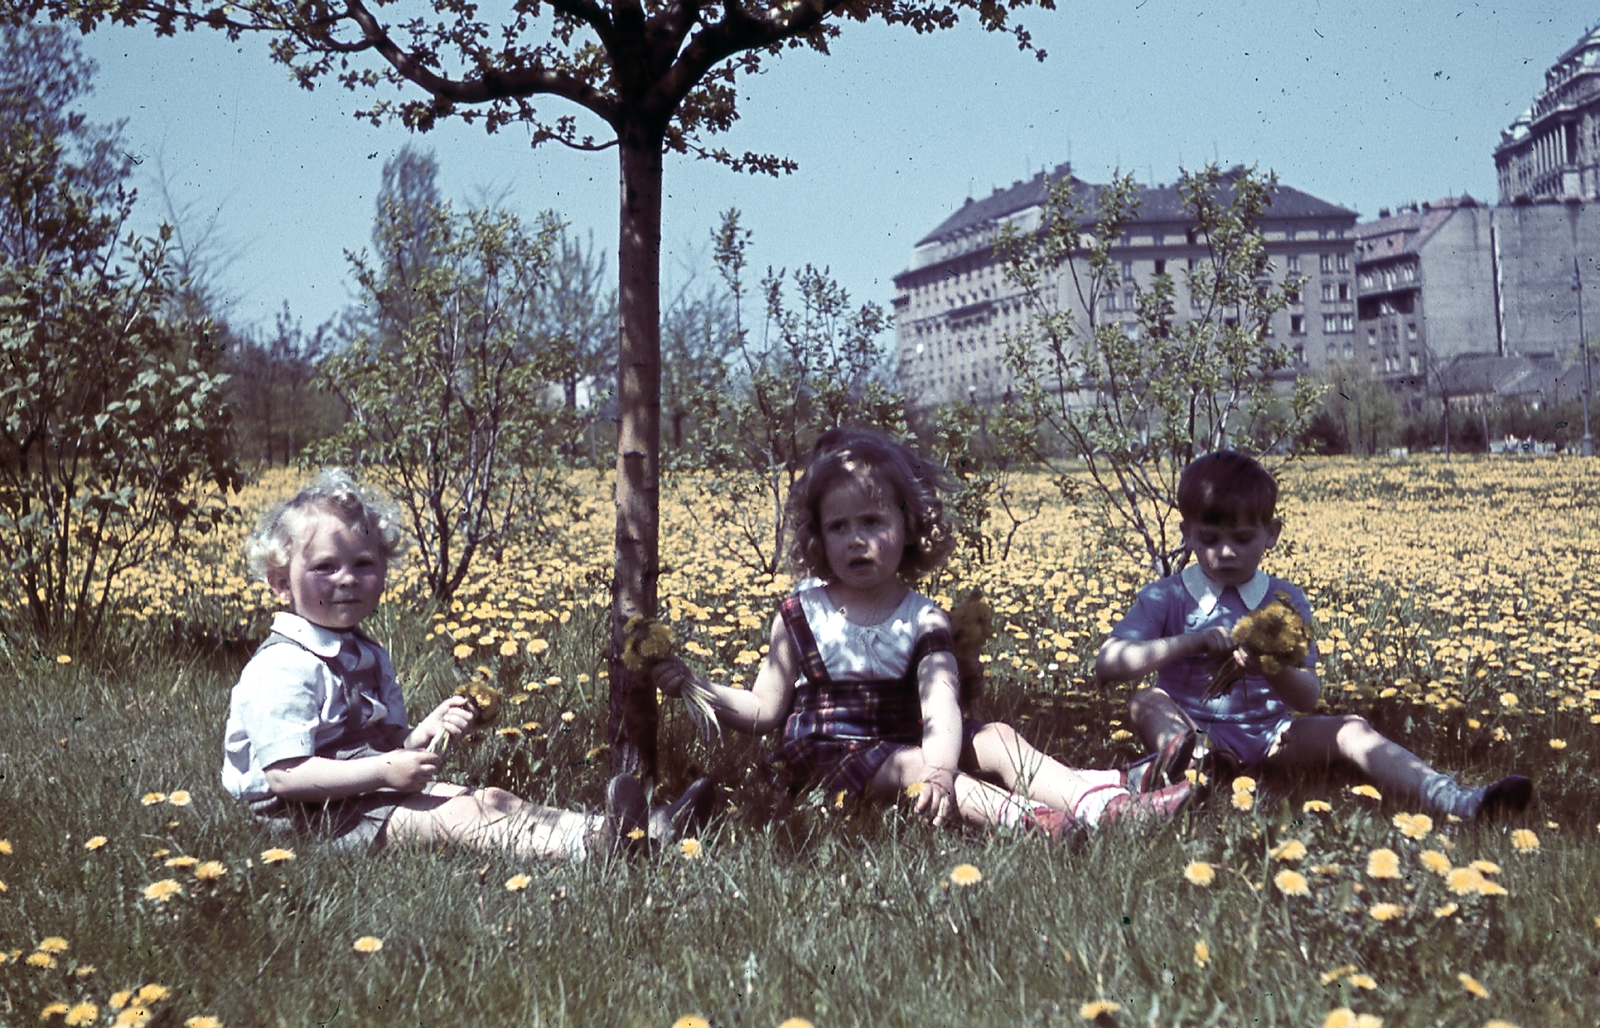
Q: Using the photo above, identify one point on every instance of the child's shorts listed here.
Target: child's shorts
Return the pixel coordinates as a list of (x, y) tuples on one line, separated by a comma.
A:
[(353, 825), (1249, 744)]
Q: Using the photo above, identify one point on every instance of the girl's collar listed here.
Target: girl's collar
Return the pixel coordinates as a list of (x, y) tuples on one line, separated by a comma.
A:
[(1207, 593), (888, 615)]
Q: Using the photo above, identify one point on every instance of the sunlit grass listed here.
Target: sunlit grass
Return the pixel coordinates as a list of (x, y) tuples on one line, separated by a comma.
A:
[(1455, 606)]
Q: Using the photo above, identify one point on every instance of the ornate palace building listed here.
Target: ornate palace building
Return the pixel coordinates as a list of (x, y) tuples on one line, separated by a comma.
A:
[(954, 305), (1552, 150)]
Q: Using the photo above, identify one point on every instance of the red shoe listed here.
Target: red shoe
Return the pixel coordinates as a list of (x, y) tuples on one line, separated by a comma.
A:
[(1150, 807), (1051, 823), (1170, 763)]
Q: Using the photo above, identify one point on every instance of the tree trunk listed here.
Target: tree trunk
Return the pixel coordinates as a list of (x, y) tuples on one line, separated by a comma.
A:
[(633, 712)]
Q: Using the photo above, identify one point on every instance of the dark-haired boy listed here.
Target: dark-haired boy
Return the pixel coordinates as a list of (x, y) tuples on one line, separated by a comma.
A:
[(1180, 627)]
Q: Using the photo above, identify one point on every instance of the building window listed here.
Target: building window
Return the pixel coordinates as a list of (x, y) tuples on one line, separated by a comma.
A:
[(1411, 331), (1161, 267), (1333, 351), (1349, 351), (1326, 264), (1128, 303), (1344, 290), (1292, 262), (1327, 292), (1297, 324), (1414, 364), (1127, 270), (1330, 324), (1291, 293), (1410, 272), (1299, 354), (1347, 322), (1344, 262)]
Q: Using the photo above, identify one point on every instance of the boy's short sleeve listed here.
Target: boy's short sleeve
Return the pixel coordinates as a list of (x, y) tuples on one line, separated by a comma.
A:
[(394, 701), (279, 702), (1149, 616)]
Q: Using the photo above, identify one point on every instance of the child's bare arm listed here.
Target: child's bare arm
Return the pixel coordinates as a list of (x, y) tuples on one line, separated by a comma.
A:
[(939, 686), (756, 710), (313, 779), (1296, 686), (1122, 660)]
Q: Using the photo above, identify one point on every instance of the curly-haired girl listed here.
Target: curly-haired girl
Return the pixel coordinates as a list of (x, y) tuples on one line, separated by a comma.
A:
[(859, 670)]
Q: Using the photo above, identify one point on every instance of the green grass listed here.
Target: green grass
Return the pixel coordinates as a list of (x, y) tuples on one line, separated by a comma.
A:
[(841, 917)]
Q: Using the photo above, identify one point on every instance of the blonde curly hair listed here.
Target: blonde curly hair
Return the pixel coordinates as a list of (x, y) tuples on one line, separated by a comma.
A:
[(283, 528)]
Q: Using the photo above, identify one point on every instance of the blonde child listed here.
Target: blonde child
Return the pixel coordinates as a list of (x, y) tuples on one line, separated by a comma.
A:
[(1180, 627), (317, 740), (859, 669)]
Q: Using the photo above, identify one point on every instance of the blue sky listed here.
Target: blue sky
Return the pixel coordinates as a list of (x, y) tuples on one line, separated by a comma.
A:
[(1365, 104)]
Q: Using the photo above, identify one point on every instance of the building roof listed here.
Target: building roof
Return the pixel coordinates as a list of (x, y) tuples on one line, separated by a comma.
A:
[(1157, 203), (1407, 230)]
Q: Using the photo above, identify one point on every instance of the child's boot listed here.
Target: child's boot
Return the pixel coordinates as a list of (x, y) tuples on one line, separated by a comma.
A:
[(1164, 767), (1149, 807), (627, 817), (1442, 794), (683, 816)]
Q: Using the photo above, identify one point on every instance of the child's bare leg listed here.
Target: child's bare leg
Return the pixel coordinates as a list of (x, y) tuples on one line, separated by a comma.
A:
[(1313, 743), (977, 803), (1157, 718), (997, 749), (489, 819)]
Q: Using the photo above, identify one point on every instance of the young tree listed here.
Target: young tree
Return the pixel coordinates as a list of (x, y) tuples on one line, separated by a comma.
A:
[(1135, 404), (811, 368), (277, 409), (110, 428), (661, 76), (447, 377)]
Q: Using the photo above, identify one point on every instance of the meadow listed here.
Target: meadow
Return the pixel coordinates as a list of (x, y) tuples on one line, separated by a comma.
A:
[(1456, 602)]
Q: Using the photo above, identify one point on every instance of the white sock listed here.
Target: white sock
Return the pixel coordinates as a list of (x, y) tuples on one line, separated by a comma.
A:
[(1094, 803), (1014, 811), (1099, 776)]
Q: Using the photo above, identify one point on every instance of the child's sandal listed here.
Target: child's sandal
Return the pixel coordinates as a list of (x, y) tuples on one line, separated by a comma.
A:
[(1150, 807), (1169, 765)]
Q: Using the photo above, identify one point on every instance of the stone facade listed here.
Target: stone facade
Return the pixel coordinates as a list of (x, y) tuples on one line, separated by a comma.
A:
[(1552, 150), (954, 306)]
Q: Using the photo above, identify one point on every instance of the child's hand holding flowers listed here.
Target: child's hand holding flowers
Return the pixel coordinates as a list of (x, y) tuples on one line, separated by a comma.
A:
[(647, 646), (1268, 639)]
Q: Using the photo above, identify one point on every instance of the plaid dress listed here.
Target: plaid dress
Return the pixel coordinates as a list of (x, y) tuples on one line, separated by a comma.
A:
[(841, 730)]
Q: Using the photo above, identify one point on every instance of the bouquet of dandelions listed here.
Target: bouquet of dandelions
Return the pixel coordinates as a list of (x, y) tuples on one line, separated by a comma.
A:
[(646, 642), (971, 626), (486, 702), (1274, 632)]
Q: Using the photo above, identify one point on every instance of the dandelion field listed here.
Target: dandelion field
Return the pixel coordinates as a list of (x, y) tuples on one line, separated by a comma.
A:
[(1457, 606)]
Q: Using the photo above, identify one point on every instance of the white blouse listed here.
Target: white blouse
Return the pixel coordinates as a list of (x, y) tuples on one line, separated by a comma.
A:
[(863, 653)]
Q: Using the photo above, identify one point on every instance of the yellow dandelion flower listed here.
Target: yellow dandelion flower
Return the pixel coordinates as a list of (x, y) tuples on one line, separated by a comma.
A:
[(1489, 888), (1341, 1017), (183, 862), (1200, 873), (367, 944), (1289, 849), (84, 971), (158, 854), (508, 648), (637, 834), (915, 789), (1508, 700), (153, 993), (52, 1010), (1383, 863), (1445, 909), (796, 1022), (1243, 800), (1369, 1021), (41, 960), (965, 874), (1292, 883), (568, 716), (2, 885), (1328, 869), (1366, 790), (1414, 826), (462, 651), (135, 1017), (1386, 911), (1497, 1023), (150, 799), (1524, 841), (1434, 861), (1558, 744), (518, 882), (690, 848), (64, 658), (53, 944), (210, 871), (691, 1021), (1464, 881), (95, 843), (1316, 807), (1202, 954), (5, 848), (119, 999), (180, 798), (163, 890), (82, 1013), (1363, 981), (1472, 985), (1244, 783), (1487, 867), (1121, 734), (509, 732), (276, 855), (203, 1021), (1090, 1011)]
